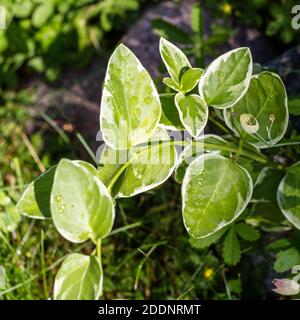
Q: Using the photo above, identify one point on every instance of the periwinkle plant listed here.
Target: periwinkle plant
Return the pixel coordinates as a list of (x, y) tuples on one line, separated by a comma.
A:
[(217, 185)]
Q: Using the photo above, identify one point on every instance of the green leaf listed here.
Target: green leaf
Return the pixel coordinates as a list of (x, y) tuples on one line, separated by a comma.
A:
[(35, 201), (286, 260), (81, 206), (169, 116), (294, 105), (173, 58), (215, 191), (42, 14), (288, 195), (190, 79), (278, 245), (208, 241), (169, 31), (193, 150), (247, 232), (261, 116), (193, 113), (79, 278), (171, 83), (227, 78), (22, 9), (145, 167), (265, 207), (130, 106), (231, 248)]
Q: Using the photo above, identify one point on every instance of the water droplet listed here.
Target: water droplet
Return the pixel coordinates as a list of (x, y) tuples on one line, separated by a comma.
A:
[(58, 198), (148, 99), (148, 90), (62, 208), (221, 73), (134, 99)]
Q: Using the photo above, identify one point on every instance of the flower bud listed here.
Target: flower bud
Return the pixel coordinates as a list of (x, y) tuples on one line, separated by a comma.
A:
[(286, 287)]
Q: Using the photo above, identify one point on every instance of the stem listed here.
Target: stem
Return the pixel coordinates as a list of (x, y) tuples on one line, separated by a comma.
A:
[(99, 257), (198, 38), (237, 150), (98, 251), (220, 125)]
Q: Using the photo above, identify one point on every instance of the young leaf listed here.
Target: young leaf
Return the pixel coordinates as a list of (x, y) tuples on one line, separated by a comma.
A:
[(286, 260), (265, 105), (81, 206), (79, 278), (171, 83), (173, 58), (190, 79), (215, 191), (247, 232), (288, 195), (145, 167), (193, 150), (227, 78), (35, 201), (231, 248), (130, 106), (193, 113), (169, 114)]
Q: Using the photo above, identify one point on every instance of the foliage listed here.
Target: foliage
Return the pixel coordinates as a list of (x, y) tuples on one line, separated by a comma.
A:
[(44, 35), (274, 18), (217, 185), (194, 43)]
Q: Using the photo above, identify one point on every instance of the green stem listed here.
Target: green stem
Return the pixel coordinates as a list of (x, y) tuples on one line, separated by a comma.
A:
[(98, 251), (237, 150), (99, 257), (220, 125)]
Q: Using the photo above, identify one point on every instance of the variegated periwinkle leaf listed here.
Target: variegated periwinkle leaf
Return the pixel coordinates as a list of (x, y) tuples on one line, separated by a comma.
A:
[(79, 278), (81, 206), (215, 191), (145, 167), (261, 116), (35, 201), (190, 79), (170, 116), (196, 148), (288, 195), (193, 113), (171, 83), (174, 59), (130, 106), (227, 78)]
